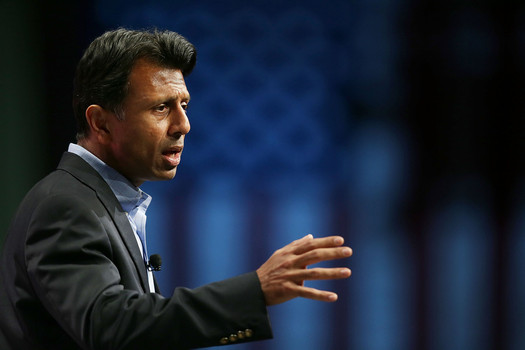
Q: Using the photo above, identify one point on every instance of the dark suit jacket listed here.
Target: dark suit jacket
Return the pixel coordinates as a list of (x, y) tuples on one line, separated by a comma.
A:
[(72, 277)]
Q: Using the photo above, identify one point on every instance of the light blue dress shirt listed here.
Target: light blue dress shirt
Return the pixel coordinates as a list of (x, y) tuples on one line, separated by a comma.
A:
[(133, 200)]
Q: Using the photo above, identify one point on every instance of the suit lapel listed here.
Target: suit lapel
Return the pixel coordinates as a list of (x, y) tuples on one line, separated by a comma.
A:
[(157, 289), (81, 170)]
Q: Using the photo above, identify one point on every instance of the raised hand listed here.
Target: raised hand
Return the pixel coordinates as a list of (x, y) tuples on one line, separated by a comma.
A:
[(282, 276)]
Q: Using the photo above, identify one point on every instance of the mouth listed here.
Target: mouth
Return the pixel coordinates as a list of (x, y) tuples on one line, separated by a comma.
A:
[(172, 155)]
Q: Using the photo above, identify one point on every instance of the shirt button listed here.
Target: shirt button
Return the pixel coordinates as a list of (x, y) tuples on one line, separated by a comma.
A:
[(233, 338), (240, 334), (248, 333), (224, 341)]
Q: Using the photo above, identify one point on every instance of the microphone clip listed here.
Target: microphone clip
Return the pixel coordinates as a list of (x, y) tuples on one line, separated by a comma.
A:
[(155, 263)]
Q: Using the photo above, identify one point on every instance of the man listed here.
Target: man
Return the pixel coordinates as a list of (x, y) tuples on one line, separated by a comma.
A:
[(75, 273)]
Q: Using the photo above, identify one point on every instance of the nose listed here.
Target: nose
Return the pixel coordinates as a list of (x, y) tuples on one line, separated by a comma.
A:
[(180, 124)]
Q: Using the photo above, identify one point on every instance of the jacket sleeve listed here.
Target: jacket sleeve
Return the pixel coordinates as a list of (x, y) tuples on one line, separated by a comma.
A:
[(69, 260)]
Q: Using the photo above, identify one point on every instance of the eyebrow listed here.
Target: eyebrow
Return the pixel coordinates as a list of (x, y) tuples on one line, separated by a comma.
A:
[(172, 100)]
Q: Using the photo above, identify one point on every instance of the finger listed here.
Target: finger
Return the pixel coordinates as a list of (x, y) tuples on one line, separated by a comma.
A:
[(305, 245), (298, 242), (322, 254), (306, 238), (314, 294), (319, 273)]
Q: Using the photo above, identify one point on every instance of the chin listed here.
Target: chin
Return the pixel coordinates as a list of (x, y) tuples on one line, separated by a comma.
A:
[(168, 175)]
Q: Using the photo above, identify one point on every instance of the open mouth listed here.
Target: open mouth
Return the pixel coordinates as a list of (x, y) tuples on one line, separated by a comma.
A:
[(172, 155)]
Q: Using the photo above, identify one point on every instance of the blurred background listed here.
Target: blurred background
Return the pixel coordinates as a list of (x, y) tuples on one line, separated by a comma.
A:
[(396, 124)]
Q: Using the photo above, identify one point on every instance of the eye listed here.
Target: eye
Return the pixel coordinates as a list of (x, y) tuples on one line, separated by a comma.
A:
[(161, 108), (184, 106)]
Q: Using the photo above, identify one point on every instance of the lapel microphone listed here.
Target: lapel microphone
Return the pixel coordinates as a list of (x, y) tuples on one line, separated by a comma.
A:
[(155, 262)]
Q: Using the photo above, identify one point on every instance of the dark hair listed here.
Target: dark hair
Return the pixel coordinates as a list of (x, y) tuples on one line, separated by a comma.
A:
[(103, 71)]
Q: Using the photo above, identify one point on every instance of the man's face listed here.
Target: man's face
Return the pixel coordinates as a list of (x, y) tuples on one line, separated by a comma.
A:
[(147, 144)]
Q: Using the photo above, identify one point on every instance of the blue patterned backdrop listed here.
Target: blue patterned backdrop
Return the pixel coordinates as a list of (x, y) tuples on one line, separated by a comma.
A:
[(396, 124), (298, 127)]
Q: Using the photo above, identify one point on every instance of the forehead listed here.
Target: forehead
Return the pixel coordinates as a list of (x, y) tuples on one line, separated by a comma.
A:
[(148, 79)]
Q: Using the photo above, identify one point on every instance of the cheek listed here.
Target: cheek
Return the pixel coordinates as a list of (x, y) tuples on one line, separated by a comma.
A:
[(142, 139), (149, 140)]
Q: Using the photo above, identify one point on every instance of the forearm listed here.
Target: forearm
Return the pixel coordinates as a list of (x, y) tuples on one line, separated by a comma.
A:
[(195, 318)]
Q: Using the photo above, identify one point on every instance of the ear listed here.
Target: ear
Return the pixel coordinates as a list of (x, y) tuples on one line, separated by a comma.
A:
[(99, 123)]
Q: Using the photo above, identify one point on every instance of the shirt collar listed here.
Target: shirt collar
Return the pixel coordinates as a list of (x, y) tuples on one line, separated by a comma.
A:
[(128, 195)]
